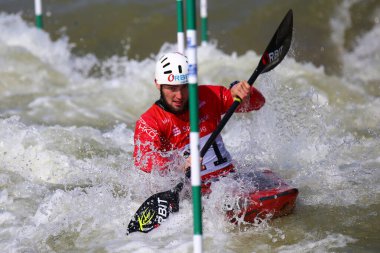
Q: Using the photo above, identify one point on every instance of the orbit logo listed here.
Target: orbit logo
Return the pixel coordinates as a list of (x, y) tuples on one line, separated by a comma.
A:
[(178, 78), (272, 57)]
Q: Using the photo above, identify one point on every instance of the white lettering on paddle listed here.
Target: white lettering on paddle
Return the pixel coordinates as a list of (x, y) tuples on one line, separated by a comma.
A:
[(275, 55), (162, 210)]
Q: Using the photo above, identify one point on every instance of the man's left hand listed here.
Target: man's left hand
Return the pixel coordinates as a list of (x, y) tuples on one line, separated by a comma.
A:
[(241, 90)]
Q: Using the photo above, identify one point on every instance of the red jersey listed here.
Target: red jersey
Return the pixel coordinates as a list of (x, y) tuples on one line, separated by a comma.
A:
[(161, 135)]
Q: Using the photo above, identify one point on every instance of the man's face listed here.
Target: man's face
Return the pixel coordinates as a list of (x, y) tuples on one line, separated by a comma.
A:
[(176, 97)]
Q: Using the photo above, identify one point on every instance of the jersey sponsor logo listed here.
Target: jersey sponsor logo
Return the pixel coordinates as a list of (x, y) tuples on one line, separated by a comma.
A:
[(176, 131), (186, 128), (144, 127), (204, 118), (165, 121), (179, 78), (203, 129)]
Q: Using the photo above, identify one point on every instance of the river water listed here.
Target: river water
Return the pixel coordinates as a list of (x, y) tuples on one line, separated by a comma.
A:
[(70, 96)]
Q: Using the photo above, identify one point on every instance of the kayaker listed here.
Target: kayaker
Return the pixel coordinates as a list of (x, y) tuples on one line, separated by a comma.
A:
[(161, 136)]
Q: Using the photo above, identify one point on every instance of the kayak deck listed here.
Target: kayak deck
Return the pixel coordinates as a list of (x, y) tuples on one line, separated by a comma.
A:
[(269, 197)]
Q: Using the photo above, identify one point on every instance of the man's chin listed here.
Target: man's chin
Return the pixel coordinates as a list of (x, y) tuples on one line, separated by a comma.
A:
[(177, 109)]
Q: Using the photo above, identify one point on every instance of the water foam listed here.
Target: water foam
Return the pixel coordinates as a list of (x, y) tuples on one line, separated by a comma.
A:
[(66, 148)]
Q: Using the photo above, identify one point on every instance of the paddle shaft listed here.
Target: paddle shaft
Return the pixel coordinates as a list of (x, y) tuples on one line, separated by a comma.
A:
[(229, 113), (273, 55)]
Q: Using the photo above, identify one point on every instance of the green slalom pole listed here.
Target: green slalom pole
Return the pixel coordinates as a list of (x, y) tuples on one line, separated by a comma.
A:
[(194, 123), (38, 13), (204, 22), (180, 32)]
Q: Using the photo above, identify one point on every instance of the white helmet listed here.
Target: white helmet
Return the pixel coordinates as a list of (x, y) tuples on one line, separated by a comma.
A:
[(173, 69)]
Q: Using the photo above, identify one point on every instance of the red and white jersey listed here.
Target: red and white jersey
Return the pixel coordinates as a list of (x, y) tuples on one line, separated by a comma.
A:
[(161, 135)]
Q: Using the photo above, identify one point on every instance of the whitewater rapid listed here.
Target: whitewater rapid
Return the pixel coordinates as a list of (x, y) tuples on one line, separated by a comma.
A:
[(67, 180)]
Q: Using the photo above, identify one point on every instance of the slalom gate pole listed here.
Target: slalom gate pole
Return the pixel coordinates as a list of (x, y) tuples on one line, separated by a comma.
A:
[(204, 22), (38, 13), (194, 124), (180, 32)]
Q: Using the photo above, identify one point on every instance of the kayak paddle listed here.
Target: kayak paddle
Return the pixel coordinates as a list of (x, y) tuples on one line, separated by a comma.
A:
[(273, 55), (157, 208)]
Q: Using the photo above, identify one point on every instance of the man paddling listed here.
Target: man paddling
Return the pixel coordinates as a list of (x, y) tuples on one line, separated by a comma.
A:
[(162, 132)]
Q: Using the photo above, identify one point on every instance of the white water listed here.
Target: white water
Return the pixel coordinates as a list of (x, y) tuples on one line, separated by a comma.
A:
[(67, 183)]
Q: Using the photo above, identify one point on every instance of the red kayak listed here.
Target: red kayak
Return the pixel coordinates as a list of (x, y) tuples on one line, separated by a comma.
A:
[(268, 197), (262, 195)]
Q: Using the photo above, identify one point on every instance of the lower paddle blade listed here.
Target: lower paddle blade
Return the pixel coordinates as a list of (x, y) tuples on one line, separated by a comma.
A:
[(155, 210)]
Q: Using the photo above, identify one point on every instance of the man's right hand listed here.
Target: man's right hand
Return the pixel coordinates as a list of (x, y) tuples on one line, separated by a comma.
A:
[(187, 166)]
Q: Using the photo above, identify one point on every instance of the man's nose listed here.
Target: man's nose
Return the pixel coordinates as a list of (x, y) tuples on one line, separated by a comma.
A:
[(179, 94)]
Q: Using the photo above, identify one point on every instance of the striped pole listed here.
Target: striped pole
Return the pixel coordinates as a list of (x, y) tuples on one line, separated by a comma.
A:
[(204, 22), (180, 32), (38, 13), (194, 123)]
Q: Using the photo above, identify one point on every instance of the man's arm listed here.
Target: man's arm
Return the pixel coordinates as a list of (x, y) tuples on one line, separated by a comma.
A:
[(147, 148)]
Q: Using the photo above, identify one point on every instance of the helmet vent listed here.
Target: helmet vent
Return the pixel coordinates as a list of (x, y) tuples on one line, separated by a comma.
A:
[(168, 72), (180, 69), (164, 60), (167, 64)]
